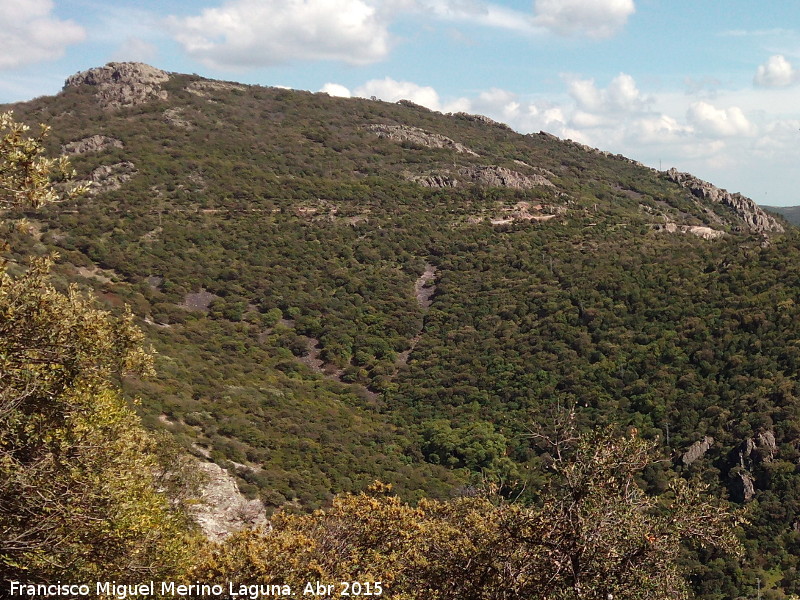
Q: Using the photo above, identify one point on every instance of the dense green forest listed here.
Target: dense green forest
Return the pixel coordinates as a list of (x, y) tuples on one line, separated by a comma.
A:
[(344, 290)]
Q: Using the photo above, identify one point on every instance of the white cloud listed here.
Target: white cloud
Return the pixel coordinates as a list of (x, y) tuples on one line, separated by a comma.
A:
[(249, 33), (391, 91), (776, 72), (31, 34), (478, 12), (620, 96), (719, 122), (136, 49), (658, 129), (593, 18), (336, 89)]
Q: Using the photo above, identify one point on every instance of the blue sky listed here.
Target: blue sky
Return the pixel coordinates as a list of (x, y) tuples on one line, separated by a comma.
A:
[(709, 87)]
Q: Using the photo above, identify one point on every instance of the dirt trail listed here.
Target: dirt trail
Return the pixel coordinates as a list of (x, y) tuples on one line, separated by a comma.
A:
[(424, 291), (425, 294)]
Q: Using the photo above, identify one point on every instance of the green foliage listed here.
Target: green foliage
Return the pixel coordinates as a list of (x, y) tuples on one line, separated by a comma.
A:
[(314, 369), (77, 490), (592, 534)]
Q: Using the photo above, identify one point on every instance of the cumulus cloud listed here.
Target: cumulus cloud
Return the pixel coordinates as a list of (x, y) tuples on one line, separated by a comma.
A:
[(136, 49), (32, 34), (336, 89), (476, 11), (658, 129), (719, 122), (250, 33), (593, 18), (391, 91), (776, 72), (621, 95)]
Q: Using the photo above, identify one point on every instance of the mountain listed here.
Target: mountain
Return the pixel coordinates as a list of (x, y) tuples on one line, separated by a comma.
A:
[(344, 290)]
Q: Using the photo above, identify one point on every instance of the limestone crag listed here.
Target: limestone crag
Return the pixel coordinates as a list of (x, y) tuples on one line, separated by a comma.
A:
[(223, 509), (744, 488), (483, 175), (418, 137), (436, 180), (761, 449), (110, 177), (749, 212), (493, 176), (697, 450), (707, 233), (122, 84), (93, 143)]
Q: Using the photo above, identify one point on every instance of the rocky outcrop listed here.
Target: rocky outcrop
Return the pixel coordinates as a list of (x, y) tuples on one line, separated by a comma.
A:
[(749, 212), (176, 117), (436, 180), (205, 88), (761, 449), (93, 143), (743, 486), (488, 176), (110, 177), (484, 120), (223, 509), (697, 450), (707, 233), (122, 84), (418, 137), (492, 176)]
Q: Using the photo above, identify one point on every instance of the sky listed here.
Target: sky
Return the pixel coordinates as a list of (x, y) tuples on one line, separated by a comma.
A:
[(711, 87)]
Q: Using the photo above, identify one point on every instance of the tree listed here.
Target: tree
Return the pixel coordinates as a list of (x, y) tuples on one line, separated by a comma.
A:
[(76, 468), (593, 533), (26, 172)]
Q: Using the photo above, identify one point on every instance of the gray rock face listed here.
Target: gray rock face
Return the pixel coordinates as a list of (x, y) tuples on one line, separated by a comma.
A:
[(697, 450), (767, 445), (437, 180), (222, 509), (744, 486), (761, 449), (748, 211), (418, 137), (110, 177), (707, 233), (488, 176), (93, 143), (493, 176), (122, 84)]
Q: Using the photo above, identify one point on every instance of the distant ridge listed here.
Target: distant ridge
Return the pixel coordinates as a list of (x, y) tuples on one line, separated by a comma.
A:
[(790, 213)]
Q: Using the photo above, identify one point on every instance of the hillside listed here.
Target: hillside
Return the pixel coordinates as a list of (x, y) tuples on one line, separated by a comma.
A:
[(790, 213), (343, 290)]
